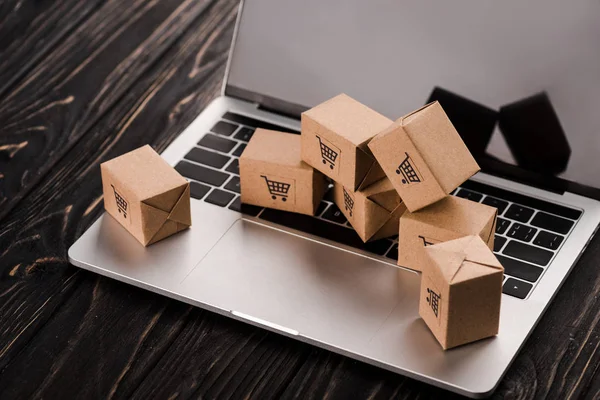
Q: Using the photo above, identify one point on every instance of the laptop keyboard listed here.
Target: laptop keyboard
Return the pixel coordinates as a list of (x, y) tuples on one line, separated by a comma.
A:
[(529, 231)]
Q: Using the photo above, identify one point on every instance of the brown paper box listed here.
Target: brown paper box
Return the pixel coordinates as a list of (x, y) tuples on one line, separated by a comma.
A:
[(146, 195), (273, 175), (461, 291), (373, 212), (335, 135), (448, 219), (424, 156)]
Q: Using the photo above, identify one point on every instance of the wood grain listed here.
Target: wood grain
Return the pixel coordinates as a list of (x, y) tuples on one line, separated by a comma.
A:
[(140, 75)]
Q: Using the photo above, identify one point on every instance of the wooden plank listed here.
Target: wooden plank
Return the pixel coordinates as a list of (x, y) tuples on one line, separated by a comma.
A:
[(57, 102), (29, 30)]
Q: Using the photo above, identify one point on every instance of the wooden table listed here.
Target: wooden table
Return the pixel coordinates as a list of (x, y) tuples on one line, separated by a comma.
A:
[(84, 81)]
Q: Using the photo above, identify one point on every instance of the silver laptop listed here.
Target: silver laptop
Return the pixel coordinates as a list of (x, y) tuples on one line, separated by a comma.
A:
[(311, 278)]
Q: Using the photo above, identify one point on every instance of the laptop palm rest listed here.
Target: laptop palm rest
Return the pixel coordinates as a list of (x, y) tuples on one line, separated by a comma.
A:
[(302, 286)]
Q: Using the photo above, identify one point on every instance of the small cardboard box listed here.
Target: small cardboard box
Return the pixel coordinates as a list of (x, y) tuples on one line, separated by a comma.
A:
[(448, 219), (374, 211), (424, 156), (461, 291), (273, 175), (335, 135), (146, 195)]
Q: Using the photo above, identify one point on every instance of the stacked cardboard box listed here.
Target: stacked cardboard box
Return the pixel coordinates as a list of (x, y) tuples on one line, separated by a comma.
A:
[(389, 178)]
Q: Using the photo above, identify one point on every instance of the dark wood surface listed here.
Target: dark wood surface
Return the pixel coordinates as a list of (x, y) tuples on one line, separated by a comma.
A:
[(84, 81)]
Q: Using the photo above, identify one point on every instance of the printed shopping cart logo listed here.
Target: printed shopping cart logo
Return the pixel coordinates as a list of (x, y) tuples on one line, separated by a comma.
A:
[(121, 202), (329, 153), (348, 201), (409, 172), (428, 241), (278, 189), (433, 299)]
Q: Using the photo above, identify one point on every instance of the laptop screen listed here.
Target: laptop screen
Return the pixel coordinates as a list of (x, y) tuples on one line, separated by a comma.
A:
[(519, 79)]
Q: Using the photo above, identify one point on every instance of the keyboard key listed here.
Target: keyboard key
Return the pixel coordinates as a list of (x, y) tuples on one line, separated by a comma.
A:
[(233, 184), (519, 213), (334, 214), (217, 143), (255, 123), (321, 208), (467, 194), (314, 226), (198, 190), (379, 247), (245, 134), (519, 269), (552, 223), (207, 157), (494, 202), (518, 289), (224, 128), (393, 253), (200, 173), (528, 253), (239, 150), (499, 242), (501, 225), (527, 201), (247, 209), (233, 167), (219, 197), (521, 232), (548, 240)]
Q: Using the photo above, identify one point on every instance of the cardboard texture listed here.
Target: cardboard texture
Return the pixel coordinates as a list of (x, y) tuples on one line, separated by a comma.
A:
[(373, 212), (146, 195), (335, 135), (272, 174), (448, 219), (424, 156), (461, 290)]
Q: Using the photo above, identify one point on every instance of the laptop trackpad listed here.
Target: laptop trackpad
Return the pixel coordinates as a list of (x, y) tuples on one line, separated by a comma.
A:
[(319, 291)]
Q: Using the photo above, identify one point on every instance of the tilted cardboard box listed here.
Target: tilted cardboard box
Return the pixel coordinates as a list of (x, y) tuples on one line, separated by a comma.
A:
[(273, 175), (448, 219), (335, 135), (373, 212), (424, 156), (461, 290), (146, 195)]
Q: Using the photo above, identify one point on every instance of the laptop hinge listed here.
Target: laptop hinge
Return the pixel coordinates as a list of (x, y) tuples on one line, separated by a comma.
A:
[(267, 103)]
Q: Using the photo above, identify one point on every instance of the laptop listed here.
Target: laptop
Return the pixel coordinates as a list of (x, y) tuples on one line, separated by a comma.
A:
[(312, 278)]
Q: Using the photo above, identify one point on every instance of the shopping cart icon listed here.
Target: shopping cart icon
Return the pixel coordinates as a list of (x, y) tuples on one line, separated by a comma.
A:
[(348, 201), (408, 171), (121, 202), (277, 189), (434, 301), (428, 241), (328, 154)]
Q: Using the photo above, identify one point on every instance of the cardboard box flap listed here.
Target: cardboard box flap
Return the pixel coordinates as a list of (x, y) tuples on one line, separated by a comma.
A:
[(489, 231), (451, 260), (181, 212), (383, 194), (390, 227), (154, 219), (408, 116), (165, 201), (378, 216), (368, 168), (468, 255), (168, 229)]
